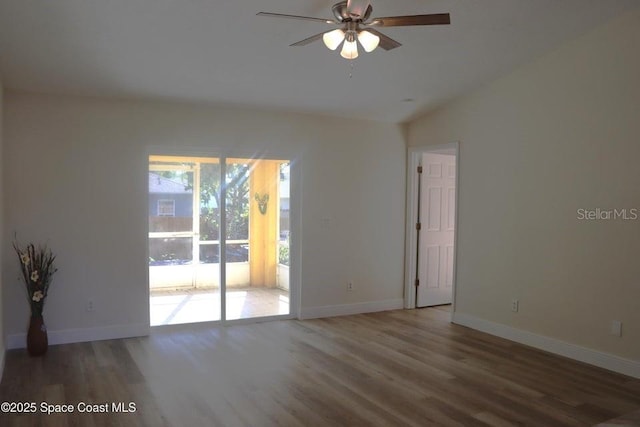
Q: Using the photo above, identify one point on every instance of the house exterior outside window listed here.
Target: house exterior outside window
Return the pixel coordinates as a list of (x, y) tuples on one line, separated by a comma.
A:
[(166, 207)]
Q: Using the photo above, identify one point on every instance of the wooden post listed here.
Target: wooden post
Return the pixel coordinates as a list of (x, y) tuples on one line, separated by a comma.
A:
[(263, 227)]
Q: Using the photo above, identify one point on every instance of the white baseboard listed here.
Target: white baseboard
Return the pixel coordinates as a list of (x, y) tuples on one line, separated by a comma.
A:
[(83, 335), (552, 345), (348, 309)]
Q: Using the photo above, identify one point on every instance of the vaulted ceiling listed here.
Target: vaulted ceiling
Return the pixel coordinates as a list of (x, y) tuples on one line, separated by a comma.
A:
[(221, 53)]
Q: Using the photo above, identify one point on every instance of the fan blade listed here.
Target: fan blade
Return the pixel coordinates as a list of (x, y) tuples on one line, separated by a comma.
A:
[(386, 42), (308, 40), (403, 21), (358, 8), (303, 18)]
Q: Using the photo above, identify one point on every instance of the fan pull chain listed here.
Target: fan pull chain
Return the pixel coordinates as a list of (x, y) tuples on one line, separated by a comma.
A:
[(350, 68)]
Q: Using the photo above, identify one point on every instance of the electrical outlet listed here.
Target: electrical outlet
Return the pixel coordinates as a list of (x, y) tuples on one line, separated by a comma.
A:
[(90, 308), (349, 286), (616, 328), (515, 305)]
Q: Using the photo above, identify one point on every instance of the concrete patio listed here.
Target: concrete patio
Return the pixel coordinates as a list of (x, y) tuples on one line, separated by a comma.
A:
[(171, 307)]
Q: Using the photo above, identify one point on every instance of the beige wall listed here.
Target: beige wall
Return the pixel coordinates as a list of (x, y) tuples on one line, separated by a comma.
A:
[(557, 135), (78, 173)]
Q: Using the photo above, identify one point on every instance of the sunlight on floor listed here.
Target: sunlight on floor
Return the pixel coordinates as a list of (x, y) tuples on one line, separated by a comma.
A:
[(192, 306)]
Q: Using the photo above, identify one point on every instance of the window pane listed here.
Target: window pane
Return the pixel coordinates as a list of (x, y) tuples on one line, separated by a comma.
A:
[(170, 251), (209, 203), (238, 201), (170, 200), (209, 254), (238, 252)]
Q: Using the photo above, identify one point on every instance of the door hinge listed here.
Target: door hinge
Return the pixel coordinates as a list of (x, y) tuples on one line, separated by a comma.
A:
[(418, 226), (419, 169), (417, 283)]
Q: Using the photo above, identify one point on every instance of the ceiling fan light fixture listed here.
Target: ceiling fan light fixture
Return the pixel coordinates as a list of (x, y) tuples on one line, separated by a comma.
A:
[(349, 49), (368, 40), (332, 39), (354, 18)]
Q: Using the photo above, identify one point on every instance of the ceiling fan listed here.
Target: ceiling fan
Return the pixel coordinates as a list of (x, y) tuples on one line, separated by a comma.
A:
[(356, 25)]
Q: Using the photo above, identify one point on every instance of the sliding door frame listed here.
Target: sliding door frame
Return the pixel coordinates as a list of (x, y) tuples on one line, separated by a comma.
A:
[(295, 223)]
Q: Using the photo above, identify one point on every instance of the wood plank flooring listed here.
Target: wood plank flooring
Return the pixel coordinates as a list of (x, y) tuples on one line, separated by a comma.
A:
[(394, 368)]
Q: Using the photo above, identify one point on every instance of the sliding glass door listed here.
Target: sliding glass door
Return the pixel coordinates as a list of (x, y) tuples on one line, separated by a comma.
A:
[(256, 286), (196, 272)]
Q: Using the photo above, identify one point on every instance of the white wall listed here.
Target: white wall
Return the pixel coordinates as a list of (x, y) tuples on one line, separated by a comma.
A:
[(557, 135), (77, 168)]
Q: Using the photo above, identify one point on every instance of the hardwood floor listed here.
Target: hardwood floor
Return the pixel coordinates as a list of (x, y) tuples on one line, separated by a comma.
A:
[(385, 369)]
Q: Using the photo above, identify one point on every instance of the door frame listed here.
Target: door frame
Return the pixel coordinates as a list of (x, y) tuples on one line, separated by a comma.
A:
[(295, 246), (414, 159)]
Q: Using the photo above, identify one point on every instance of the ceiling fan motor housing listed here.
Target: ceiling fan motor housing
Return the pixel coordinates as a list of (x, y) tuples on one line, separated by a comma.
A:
[(342, 14)]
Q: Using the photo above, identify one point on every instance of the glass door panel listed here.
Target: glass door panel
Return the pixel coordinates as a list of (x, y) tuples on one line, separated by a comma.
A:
[(208, 272), (237, 274), (170, 226), (284, 235), (192, 200), (253, 287), (184, 288)]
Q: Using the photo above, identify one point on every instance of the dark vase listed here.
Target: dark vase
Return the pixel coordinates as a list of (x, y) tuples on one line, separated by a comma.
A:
[(37, 340)]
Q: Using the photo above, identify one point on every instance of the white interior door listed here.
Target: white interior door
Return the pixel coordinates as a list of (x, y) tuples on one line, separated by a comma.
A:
[(437, 207)]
